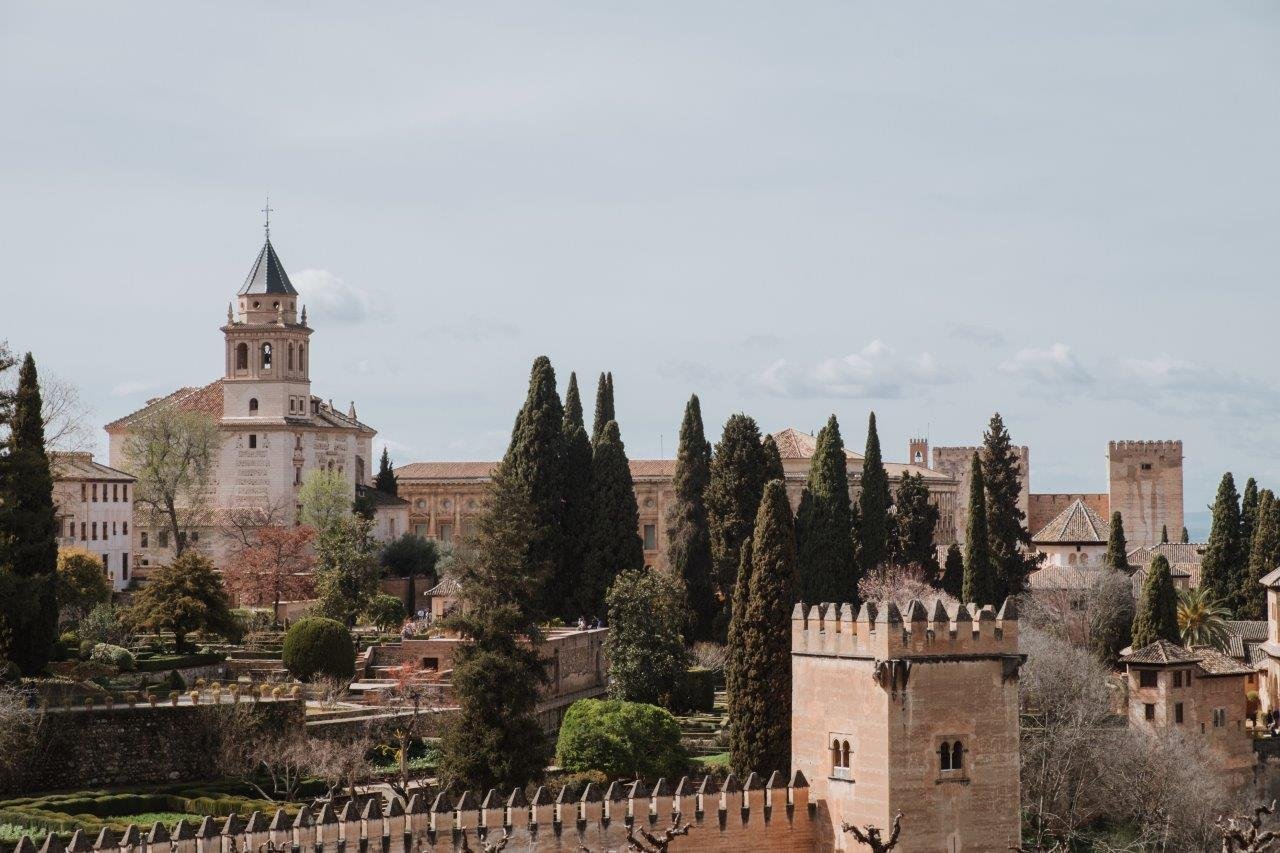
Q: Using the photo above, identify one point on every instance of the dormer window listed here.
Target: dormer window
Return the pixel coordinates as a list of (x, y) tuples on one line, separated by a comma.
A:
[(253, 404), (266, 356), (242, 357)]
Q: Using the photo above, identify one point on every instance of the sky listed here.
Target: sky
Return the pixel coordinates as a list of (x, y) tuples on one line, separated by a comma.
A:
[(1064, 212)]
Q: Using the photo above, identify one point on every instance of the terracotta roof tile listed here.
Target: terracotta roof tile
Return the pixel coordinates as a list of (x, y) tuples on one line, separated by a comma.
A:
[(80, 466), (445, 471), (1076, 523), (1161, 652), (796, 444), (207, 399), (1214, 662)]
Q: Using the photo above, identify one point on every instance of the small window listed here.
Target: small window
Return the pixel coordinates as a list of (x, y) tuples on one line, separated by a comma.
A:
[(1219, 717), (95, 492), (253, 441), (1148, 711), (83, 537), (957, 756), (95, 531), (71, 530), (142, 539), (266, 356), (651, 537), (291, 404), (291, 356), (124, 567), (124, 492), (1146, 466), (124, 528), (195, 536), (113, 528), (297, 475), (420, 530), (1177, 678), (445, 534), (84, 492), (242, 357), (106, 564), (302, 357), (163, 538), (1147, 678), (1177, 713), (253, 404), (115, 493)]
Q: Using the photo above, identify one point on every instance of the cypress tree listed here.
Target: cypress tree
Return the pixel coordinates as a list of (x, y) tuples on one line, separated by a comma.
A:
[(773, 469), (733, 498), (535, 461), (914, 520), (577, 501), (604, 406), (762, 711), (1264, 556), (734, 664), (1220, 566), (824, 549), (953, 573), (614, 545), (979, 583), (1248, 517), (1186, 537), (386, 482), (873, 504), (688, 531), (1164, 534), (1157, 615), (1117, 549), (1012, 557), (29, 528)]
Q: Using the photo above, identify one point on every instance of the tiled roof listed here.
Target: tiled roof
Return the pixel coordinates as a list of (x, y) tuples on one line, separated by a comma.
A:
[(267, 274), (653, 468), (445, 471), (1076, 523), (207, 399), (1063, 577), (1272, 578), (1185, 553), (1214, 662), (795, 444), (1161, 652), (1243, 635), (80, 466)]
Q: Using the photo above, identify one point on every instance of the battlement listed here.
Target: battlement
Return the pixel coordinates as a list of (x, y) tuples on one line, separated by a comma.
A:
[(1145, 447), (882, 632), (751, 815)]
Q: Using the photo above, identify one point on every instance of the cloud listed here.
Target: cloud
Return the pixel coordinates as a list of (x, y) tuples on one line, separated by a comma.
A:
[(130, 387), (1055, 366), (1176, 386), (691, 372), (976, 334), (331, 298), (876, 371), (474, 330), (761, 341)]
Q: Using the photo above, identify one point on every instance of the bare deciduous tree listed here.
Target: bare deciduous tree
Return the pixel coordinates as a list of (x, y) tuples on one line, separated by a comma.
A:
[(1245, 834), (172, 453), (19, 725), (418, 695), (869, 836), (900, 584), (648, 842)]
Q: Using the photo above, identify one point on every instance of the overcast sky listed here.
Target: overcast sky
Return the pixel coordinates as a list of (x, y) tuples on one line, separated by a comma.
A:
[(932, 210)]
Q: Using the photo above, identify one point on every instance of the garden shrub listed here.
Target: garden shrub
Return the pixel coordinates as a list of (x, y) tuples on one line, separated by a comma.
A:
[(621, 739), (697, 690), (70, 639), (120, 658), (86, 648), (385, 611), (319, 647), (174, 681)]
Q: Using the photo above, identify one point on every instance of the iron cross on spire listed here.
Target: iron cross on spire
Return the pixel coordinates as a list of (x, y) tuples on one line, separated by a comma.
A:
[(266, 226)]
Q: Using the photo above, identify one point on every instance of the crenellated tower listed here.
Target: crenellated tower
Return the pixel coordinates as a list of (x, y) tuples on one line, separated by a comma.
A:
[(268, 358), (1144, 479), (915, 712)]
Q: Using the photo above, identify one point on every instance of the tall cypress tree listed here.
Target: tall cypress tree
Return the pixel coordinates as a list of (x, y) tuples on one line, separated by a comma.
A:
[(914, 520), (615, 544), (688, 531), (1264, 557), (1219, 569), (604, 406), (535, 461), (953, 573), (1157, 615), (1117, 549), (29, 528), (979, 581), (733, 498), (1186, 537), (1012, 556), (773, 469), (1164, 534), (386, 482), (873, 503), (762, 711), (734, 664), (824, 549), (1248, 517), (577, 500)]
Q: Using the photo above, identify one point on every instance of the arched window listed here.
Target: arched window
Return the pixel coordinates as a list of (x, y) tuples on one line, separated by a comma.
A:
[(253, 404), (291, 356), (242, 357), (844, 755), (1084, 559), (835, 756), (957, 756), (1071, 559), (302, 358), (266, 356), (944, 756)]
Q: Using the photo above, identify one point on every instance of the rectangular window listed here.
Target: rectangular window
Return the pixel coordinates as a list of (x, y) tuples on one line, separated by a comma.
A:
[(124, 493), (1146, 678), (1177, 713), (95, 531), (1177, 678), (420, 530), (95, 492), (124, 567), (106, 563), (124, 528), (83, 538), (71, 530), (253, 441), (445, 533), (1219, 717), (115, 493), (297, 475), (1149, 711), (84, 492), (651, 537)]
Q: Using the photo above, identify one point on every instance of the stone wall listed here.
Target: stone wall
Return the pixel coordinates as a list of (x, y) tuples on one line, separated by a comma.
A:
[(128, 745)]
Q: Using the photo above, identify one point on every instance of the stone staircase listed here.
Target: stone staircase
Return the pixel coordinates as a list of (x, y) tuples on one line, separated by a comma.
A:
[(701, 733)]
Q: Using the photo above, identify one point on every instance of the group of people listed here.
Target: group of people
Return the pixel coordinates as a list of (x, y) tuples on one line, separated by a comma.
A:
[(596, 622), (1271, 720)]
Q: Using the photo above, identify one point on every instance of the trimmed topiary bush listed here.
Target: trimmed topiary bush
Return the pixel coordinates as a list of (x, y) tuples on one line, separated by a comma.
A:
[(621, 739), (120, 658), (697, 690), (317, 647)]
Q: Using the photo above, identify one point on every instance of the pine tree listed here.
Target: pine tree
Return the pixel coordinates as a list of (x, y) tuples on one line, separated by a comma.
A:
[(1157, 616), (824, 549), (495, 738), (1264, 557), (577, 501), (873, 504), (688, 531), (614, 545), (1117, 549), (773, 469), (1220, 567), (914, 520), (535, 461), (1164, 534), (979, 581), (29, 528), (762, 711), (386, 482), (1012, 556), (1248, 517), (953, 573), (733, 498), (604, 406)]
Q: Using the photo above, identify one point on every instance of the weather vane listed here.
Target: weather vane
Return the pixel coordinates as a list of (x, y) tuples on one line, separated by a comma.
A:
[(267, 212)]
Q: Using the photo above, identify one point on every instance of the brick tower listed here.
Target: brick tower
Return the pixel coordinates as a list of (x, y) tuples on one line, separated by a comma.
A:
[(918, 714), (1145, 482)]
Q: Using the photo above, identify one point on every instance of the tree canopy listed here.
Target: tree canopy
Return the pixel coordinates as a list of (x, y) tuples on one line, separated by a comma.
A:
[(183, 596), (688, 527)]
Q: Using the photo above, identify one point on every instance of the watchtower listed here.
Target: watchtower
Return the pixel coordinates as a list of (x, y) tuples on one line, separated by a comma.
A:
[(1144, 479), (914, 712)]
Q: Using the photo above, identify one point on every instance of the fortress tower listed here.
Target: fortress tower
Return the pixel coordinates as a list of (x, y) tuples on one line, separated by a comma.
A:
[(917, 713), (1145, 484)]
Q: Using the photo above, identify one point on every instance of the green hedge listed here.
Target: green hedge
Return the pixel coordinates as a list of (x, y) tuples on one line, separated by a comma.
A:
[(161, 663), (621, 739), (697, 690), (89, 810), (316, 647)]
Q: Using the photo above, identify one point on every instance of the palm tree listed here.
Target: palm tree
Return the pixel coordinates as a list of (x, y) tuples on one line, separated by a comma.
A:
[(1201, 620)]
